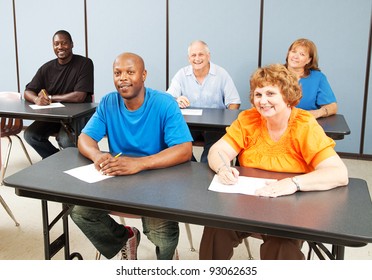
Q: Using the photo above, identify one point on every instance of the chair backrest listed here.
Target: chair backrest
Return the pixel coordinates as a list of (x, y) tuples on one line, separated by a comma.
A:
[(10, 95), (10, 126)]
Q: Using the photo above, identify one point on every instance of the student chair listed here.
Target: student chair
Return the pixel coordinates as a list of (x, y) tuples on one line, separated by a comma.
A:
[(10, 127)]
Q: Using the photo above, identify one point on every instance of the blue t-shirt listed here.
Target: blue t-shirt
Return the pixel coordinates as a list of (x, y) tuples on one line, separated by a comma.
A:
[(316, 91), (155, 126)]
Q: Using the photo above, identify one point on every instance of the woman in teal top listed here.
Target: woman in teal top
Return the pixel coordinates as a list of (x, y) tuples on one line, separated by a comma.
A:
[(317, 94)]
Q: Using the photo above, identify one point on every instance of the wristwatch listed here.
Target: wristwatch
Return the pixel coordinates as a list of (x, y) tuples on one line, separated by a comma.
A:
[(295, 181)]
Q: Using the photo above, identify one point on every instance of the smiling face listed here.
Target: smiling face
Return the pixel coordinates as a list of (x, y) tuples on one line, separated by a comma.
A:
[(298, 57), (62, 46), (269, 101), (274, 89), (199, 56), (129, 77)]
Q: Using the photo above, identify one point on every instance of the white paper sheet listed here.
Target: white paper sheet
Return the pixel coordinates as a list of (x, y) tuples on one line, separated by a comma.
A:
[(192, 112), (245, 185), (87, 173), (51, 105)]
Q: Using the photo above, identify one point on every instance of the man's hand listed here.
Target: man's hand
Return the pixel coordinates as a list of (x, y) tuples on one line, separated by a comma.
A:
[(183, 102)]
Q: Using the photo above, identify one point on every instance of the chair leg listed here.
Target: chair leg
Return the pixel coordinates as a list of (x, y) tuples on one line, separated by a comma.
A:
[(24, 148), (98, 255), (176, 256), (246, 243), (10, 213), (7, 155), (3, 170), (189, 237), (122, 220)]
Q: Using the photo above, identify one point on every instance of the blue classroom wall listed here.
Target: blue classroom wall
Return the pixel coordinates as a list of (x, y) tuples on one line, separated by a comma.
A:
[(8, 69), (368, 131), (231, 30), (35, 32), (118, 26), (104, 29), (340, 30)]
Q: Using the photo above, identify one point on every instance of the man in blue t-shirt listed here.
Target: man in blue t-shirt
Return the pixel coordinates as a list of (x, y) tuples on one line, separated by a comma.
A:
[(147, 128)]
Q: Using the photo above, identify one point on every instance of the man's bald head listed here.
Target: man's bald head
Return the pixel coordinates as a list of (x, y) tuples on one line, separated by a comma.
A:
[(136, 59)]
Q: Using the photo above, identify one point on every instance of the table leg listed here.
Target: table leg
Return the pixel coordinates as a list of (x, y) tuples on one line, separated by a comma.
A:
[(337, 253), (70, 131), (50, 249)]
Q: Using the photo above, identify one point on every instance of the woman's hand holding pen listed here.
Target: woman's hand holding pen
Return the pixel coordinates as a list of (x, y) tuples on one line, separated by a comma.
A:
[(228, 176)]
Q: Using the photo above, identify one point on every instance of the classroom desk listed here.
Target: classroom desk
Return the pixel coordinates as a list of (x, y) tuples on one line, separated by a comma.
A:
[(334, 126), (181, 193), (73, 116), (68, 115)]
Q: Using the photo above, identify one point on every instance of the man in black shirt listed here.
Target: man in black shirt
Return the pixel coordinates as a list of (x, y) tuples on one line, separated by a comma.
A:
[(68, 78)]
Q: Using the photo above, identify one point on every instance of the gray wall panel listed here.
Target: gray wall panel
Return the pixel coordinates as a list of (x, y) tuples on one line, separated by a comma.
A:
[(37, 21), (8, 69), (230, 28), (340, 30), (368, 128), (118, 26)]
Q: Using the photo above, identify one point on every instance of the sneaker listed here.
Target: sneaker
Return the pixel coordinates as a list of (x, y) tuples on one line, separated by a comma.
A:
[(129, 250)]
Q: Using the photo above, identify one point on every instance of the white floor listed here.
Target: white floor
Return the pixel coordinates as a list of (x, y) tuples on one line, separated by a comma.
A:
[(25, 242)]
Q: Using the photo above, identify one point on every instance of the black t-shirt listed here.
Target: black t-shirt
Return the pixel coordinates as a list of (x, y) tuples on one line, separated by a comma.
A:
[(77, 75)]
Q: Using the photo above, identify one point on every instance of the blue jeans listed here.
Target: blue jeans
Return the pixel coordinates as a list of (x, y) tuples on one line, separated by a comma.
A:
[(38, 133), (109, 237)]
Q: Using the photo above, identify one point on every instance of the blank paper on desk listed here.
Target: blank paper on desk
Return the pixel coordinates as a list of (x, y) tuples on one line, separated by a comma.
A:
[(51, 105), (87, 173), (245, 185), (192, 112)]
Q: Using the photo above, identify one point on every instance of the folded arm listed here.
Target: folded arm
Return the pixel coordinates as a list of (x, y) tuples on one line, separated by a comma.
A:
[(329, 174), (124, 165), (42, 98), (325, 110)]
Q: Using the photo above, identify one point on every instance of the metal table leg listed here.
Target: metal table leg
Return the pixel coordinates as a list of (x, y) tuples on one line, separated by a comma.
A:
[(50, 249)]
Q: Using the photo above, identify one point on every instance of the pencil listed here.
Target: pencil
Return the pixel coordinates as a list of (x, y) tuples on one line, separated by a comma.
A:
[(224, 162), (44, 93), (118, 155)]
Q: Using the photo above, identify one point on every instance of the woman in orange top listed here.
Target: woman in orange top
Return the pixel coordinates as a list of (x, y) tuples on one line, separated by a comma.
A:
[(275, 136)]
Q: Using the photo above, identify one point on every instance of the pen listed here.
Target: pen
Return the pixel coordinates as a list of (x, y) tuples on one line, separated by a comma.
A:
[(118, 155), (224, 162)]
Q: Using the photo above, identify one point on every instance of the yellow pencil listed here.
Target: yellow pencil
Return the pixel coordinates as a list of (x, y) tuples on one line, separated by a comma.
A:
[(118, 155), (43, 91)]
